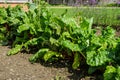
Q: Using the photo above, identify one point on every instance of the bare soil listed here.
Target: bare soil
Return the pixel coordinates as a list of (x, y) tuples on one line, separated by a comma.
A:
[(17, 67)]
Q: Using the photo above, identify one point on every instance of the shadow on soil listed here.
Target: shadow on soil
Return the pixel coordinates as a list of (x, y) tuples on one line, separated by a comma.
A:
[(78, 74)]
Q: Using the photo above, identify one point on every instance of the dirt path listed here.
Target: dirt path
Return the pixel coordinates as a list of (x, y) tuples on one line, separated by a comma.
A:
[(17, 67)]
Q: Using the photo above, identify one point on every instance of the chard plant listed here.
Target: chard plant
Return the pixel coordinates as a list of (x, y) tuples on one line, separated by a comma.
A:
[(52, 37)]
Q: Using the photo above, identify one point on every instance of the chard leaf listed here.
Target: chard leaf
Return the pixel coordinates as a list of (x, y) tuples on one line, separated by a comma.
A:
[(58, 30), (2, 29), (2, 21), (110, 73), (13, 21), (97, 58), (1, 36), (32, 29), (33, 41), (68, 44), (50, 54), (76, 62), (18, 40), (95, 40), (15, 50), (118, 73), (90, 25), (24, 27), (85, 27), (66, 35), (3, 12), (108, 32), (31, 6), (38, 55), (53, 41)]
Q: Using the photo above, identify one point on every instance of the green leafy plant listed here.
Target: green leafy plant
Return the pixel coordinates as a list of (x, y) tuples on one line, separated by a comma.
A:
[(51, 37), (112, 73)]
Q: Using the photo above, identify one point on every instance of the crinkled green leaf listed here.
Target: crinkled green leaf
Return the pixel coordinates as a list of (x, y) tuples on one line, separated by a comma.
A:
[(32, 42), (86, 26), (118, 73), (95, 40), (71, 22), (65, 35), (109, 32), (90, 25), (76, 62), (33, 30), (15, 50), (56, 27), (97, 58), (24, 27), (110, 73), (3, 29), (44, 14), (50, 54), (13, 21), (31, 6), (18, 40), (70, 45), (1, 37), (2, 21), (53, 41), (38, 55), (3, 12)]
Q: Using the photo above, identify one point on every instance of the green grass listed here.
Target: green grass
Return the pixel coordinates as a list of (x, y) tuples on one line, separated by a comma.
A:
[(101, 15)]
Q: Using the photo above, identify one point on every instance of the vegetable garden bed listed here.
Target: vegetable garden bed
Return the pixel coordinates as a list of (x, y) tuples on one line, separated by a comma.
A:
[(52, 38)]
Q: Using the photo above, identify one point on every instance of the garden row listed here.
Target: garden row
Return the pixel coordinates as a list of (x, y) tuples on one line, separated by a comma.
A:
[(51, 37), (101, 15)]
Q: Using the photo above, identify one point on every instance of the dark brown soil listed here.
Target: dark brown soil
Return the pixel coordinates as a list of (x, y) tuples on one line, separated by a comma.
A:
[(17, 67)]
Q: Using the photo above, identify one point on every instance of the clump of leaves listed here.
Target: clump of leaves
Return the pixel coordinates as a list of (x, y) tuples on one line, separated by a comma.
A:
[(52, 37), (10, 19), (112, 73)]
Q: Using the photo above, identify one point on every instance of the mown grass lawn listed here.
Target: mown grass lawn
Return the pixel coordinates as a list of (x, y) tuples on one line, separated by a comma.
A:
[(101, 15)]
